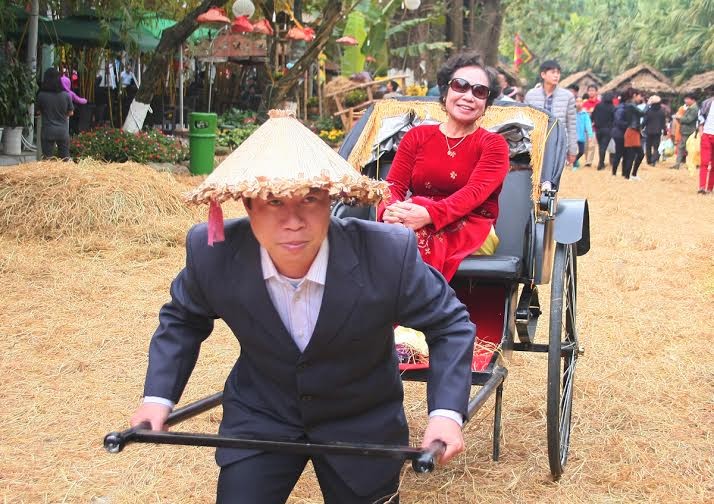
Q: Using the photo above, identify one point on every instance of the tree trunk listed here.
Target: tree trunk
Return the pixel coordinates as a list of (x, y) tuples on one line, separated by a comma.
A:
[(171, 39), (455, 25), (486, 29), (282, 87)]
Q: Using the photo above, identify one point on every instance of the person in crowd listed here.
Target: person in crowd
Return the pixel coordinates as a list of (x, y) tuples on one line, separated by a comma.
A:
[(602, 118), (55, 107), (619, 125), (575, 89), (590, 101), (509, 94), (76, 100), (632, 139), (433, 90), (520, 95), (503, 86), (584, 129), (127, 77), (392, 89), (556, 101), (317, 362), (67, 86), (706, 165), (453, 170), (655, 127), (687, 125)]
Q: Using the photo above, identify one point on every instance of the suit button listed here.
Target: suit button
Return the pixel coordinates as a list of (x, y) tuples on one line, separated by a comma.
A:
[(306, 398)]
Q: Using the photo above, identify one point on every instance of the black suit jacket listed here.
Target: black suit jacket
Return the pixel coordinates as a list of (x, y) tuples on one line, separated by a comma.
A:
[(346, 385)]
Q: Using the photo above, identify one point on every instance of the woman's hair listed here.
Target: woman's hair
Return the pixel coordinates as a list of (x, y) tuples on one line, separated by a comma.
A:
[(51, 81), (608, 97), (629, 94), (461, 60)]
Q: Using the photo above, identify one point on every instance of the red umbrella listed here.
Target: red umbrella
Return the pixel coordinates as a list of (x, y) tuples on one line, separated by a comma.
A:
[(242, 25), (214, 15), (347, 40), (263, 26)]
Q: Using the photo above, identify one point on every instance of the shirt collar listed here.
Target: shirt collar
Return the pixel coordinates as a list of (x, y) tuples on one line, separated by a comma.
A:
[(317, 272)]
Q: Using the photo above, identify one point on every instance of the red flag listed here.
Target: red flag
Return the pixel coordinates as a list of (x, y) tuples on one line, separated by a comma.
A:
[(521, 53)]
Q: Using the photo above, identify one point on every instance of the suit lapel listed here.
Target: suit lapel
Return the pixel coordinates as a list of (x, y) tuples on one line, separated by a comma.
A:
[(252, 292), (343, 284)]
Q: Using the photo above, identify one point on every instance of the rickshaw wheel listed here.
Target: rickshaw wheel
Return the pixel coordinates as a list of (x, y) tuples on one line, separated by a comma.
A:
[(563, 347)]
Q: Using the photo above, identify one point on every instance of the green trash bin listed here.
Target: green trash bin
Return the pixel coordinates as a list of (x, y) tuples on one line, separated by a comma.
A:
[(202, 142)]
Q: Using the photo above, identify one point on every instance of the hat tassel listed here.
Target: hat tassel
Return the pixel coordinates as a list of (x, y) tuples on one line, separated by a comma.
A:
[(215, 223)]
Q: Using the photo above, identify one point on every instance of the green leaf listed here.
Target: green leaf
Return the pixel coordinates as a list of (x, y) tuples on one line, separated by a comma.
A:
[(352, 57)]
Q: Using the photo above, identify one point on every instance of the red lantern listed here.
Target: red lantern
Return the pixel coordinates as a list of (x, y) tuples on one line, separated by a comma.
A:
[(214, 15), (347, 40), (263, 26), (242, 25)]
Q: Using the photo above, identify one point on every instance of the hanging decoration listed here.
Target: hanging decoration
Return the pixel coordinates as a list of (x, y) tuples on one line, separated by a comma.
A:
[(309, 34), (296, 33), (263, 26), (214, 15), (242, 25), (243, 8), (347, 40)]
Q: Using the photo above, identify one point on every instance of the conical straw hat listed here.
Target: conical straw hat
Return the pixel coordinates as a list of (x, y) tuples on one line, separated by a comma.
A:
[(284, 158)]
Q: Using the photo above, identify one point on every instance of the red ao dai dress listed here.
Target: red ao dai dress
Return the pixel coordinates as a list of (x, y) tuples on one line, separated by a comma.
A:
[(460, 192)]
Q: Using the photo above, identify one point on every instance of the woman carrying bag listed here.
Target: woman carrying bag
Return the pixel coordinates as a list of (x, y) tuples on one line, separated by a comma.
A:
[(633, 154)]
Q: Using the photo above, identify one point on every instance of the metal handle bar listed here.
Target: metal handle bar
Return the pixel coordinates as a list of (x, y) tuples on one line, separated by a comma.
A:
[(423, 460)]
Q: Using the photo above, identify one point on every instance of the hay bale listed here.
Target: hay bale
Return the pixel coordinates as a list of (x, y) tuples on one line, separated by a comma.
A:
[(336, 85), (52, 200)]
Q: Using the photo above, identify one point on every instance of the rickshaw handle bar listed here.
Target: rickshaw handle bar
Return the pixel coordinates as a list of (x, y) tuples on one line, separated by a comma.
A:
[(497, 378), (114, 442), (423, 460)]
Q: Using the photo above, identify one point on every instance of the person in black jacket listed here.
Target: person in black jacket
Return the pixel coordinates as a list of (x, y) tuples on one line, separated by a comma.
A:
[(655, 127), (619, 125), (602, 118), (632, 139), (55, 107)]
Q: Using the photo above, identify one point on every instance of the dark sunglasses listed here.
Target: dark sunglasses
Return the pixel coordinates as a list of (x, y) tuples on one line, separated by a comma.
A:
[(462, 85)]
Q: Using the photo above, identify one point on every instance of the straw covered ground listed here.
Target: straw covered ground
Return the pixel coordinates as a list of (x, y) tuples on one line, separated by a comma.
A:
[(86, 256)]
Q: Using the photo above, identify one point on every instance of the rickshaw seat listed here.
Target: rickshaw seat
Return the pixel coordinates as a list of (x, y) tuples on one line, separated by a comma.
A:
[(513, 228), (493, 267)]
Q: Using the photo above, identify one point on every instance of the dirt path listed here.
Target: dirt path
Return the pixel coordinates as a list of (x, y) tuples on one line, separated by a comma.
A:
[(75, 326)]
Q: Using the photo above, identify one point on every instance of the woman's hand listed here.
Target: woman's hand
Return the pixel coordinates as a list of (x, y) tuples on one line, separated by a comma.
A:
[(407, 213), (390, 216)]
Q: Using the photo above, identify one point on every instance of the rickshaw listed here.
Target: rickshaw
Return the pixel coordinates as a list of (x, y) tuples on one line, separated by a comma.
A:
[(540, 236)]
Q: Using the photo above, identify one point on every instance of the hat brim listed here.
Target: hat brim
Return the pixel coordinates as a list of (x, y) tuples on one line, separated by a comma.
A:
[(283, 158)]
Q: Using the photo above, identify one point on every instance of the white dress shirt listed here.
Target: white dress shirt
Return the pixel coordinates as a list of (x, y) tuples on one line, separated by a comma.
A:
[(298, 302)]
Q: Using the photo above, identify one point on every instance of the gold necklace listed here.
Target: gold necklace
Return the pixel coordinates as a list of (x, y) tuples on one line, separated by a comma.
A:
[(451, 151)]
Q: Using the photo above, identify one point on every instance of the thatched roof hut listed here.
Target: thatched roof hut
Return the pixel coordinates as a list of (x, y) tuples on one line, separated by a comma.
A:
[(582, 80), (642, 77), (701, 85)]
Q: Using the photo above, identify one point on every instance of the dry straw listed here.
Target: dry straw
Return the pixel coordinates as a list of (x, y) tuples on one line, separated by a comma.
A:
[(53, 200)]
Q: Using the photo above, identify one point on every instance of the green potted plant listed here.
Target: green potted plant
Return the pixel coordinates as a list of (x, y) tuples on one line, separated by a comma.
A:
[(313, 106), (355, 97), (17, 93)]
